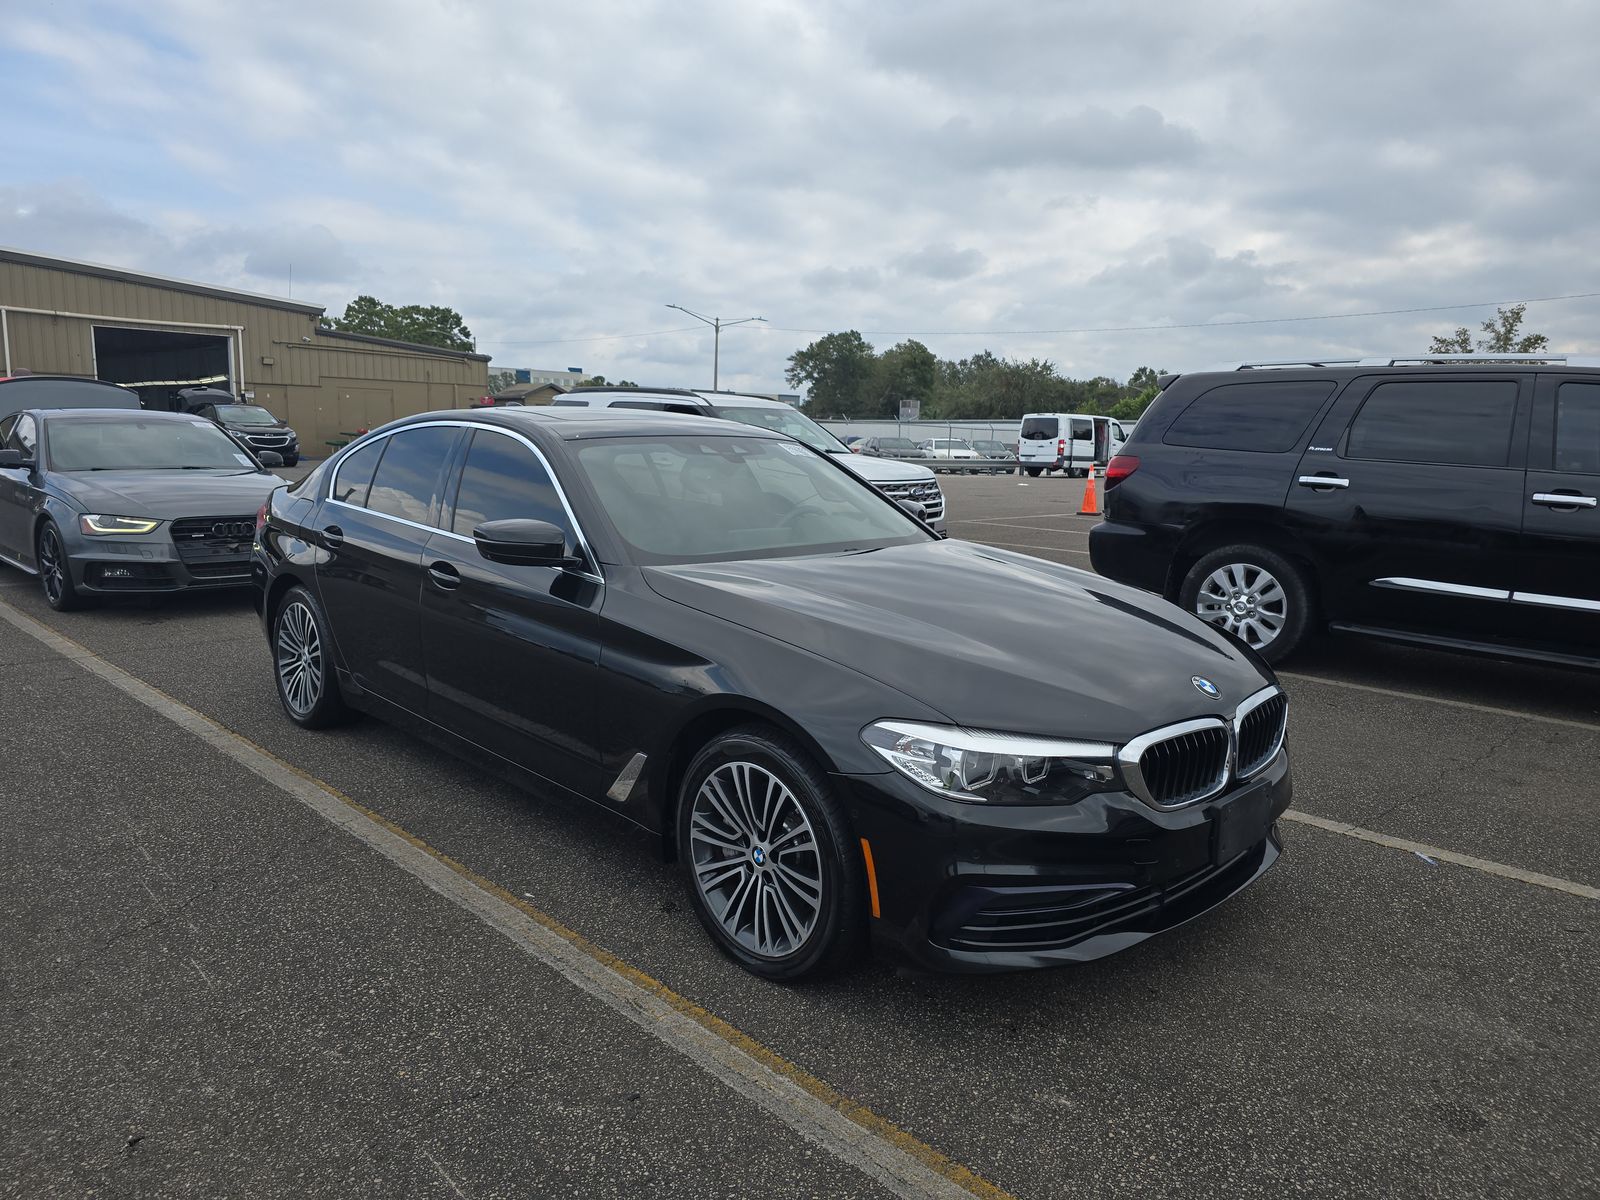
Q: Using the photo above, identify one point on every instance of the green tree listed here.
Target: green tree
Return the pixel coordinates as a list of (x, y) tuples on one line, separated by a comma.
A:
[(600, 381), (426, 325), (1504, 336), (905, 372), (499, 381), (837, 372), (1143, 379)]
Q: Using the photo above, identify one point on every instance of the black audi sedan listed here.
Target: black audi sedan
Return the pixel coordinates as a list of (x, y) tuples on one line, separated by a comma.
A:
[(844, 727), (102, 501)]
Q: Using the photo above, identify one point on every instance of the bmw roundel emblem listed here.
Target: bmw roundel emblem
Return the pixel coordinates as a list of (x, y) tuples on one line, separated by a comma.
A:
[(759, 855), (1205, 687)]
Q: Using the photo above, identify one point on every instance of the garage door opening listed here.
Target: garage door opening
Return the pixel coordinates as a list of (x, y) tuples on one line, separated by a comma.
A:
[(156, 363)]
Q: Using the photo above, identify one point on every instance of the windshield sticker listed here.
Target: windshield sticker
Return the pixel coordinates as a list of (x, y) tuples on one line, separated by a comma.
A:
[(793, 449)]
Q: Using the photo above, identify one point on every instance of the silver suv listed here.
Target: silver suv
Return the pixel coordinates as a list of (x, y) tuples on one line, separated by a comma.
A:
[(897, 480)]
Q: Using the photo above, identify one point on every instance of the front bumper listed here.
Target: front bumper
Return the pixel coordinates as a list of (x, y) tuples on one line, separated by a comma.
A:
[(965, 887), (134, 566)]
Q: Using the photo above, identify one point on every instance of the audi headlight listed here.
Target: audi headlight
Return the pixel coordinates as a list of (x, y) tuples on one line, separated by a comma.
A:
[(95, 524), (994, 768)]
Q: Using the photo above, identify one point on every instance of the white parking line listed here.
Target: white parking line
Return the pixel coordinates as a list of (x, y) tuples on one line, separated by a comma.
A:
[(1566, 886), (1590, 726), (898, 1162)]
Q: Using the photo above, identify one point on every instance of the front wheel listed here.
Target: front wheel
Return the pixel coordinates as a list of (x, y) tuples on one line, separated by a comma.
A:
[(302, 661), (1256, 594), (55, 572), (774, 874)]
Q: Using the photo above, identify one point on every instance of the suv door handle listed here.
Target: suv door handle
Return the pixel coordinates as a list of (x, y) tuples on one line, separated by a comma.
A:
[(1323, 481), (332, 536), (1564, 500), (444, 576)]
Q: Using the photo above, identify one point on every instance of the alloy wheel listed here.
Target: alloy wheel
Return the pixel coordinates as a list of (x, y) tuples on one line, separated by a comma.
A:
[(300, 668), (755, 859), (52, 565), (1246, 600)]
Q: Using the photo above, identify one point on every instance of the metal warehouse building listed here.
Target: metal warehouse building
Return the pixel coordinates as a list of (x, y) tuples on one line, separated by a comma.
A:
[(155, 335)]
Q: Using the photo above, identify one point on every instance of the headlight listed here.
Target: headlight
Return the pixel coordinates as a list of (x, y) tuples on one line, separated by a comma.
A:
[(94, 523), (994, 768)]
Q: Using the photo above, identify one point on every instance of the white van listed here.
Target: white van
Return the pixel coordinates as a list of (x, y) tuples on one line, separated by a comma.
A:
[(1069, 442)]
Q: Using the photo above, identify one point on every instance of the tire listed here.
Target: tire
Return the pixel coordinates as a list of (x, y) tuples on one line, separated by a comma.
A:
[(808, 918), (1033, 472), (1274, 601), (302, 663), (55, 572), (292, 460)]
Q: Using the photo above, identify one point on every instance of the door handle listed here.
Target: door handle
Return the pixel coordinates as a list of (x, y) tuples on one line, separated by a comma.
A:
[(332, 537), (1564, 500), (1323, 481), (444, 576)]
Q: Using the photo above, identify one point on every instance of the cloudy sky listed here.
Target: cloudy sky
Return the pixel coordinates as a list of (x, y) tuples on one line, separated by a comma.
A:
[(977, 175)]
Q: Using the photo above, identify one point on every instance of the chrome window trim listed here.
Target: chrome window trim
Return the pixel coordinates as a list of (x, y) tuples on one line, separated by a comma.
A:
[(1439, 587), (1129, 755), (566, 506), (1576, 603)]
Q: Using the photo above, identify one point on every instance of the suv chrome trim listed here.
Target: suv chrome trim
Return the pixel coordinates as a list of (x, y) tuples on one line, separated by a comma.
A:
[(597, 575), (1423, 360), (1439, 587), (1571, 602)]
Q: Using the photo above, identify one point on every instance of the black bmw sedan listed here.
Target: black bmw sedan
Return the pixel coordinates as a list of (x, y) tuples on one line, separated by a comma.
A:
[(844, 727)]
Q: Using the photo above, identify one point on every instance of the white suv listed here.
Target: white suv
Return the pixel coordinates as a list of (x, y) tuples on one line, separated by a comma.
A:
[(897, 480)]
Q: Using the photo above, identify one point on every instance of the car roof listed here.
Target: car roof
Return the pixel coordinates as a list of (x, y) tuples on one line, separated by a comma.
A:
[(572, 424), (120, 414)]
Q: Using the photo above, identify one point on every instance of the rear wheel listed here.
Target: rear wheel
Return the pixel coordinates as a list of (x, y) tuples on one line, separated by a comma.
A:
[(1033, 472), (773, 870), (302, 662), (55, 572), (1256, 594)]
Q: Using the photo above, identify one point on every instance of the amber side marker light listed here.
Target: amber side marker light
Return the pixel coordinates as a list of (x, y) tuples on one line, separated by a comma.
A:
[(872, 876)]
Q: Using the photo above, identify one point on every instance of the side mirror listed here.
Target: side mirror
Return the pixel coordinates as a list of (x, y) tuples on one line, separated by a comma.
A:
[(915, 509), (269, 458), (529, 543), (12, 460)]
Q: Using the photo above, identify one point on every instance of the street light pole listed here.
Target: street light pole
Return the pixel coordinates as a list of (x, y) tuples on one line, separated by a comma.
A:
[(717, 326)]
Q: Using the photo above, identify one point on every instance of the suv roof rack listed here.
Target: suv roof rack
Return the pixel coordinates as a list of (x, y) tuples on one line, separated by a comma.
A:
[(1423, 360), (653, 391)]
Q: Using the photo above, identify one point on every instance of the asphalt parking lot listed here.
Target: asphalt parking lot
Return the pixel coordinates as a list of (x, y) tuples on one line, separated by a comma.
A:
[(212, 986)]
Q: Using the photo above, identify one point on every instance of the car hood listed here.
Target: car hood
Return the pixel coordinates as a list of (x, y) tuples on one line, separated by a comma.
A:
[(167, 495), (993, 640), (883, 470)]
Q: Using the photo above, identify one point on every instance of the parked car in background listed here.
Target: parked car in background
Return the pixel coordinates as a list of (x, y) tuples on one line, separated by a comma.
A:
[(254, 426), (890, 447), (1442, 500), (949, 450), (853, 443), (996, 452), (99, 501), (733, 641), (61, 391), (1067, 442), (898, 481)]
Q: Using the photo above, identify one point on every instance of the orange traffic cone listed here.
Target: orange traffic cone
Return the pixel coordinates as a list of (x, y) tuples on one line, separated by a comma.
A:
[(1091, 504)]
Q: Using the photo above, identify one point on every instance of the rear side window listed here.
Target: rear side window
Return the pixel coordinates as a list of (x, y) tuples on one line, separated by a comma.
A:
[(503, 480), (1267, 418), (1578, 428), (1466, 423), (355, 474), (407, 482), (653, 405), (1040, 429), (1083, 431)]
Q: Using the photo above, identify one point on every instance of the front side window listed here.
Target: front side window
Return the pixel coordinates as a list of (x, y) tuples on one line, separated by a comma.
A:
[(1466, 423), (406, 484), (1266, 418), (23, 436), (704, 499), (502, 480), (1578, 428), (192, 444)]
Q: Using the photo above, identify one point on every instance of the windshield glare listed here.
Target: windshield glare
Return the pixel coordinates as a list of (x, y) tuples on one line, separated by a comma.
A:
[(787, 420), (675, 500), (244, 414), (85, 445)]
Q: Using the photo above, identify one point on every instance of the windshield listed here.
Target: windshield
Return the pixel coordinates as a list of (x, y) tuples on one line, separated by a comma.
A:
[(897, 443), (135, 445), (244, 414), (786, 420), (700, 499), (950, 444)]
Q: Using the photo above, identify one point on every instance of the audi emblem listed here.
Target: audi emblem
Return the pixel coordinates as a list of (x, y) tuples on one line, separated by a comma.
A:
[(233, 529)]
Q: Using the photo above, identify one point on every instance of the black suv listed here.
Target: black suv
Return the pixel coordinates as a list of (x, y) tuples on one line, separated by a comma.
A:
[(1447, 500)]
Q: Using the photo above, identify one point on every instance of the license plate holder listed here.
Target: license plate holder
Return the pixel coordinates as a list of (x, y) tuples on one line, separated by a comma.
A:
[(1238, 823)]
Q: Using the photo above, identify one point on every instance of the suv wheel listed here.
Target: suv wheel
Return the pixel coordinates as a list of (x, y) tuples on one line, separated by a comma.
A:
[(1255, 594), (773, 871)]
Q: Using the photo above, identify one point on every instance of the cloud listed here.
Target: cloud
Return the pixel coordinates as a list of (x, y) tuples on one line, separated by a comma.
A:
[(943, 263)]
